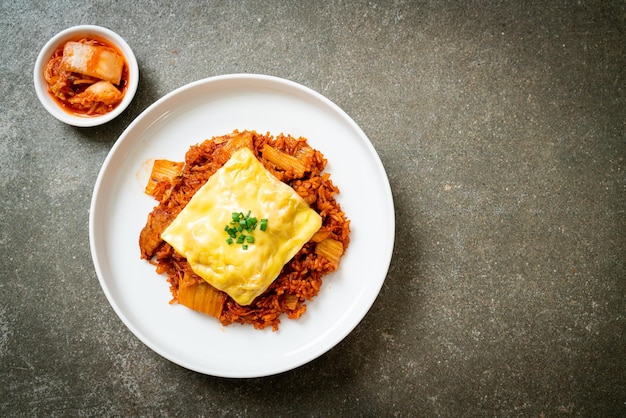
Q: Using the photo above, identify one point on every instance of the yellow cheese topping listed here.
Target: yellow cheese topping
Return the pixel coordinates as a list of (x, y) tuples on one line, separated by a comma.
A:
[(242, 185)]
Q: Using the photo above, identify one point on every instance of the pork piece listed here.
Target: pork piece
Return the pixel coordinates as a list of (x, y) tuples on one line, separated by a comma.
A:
[(150, 236)]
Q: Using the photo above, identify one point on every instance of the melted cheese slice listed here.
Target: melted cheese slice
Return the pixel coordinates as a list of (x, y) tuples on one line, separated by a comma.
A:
[(242, 184)]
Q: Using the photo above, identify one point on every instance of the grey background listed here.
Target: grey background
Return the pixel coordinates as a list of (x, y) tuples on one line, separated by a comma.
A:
[(501, 125)]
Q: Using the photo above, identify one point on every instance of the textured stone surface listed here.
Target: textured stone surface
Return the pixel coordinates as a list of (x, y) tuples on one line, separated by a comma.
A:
[(502, 129)]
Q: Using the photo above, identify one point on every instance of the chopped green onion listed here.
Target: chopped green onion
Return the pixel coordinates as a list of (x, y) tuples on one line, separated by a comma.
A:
[(241, 228)]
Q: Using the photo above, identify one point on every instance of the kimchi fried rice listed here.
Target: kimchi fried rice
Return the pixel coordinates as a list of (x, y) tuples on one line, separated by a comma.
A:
[(292, 161)]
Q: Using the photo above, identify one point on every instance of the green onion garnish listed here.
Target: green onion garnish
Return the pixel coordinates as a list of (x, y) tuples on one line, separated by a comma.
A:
[(241, 227)]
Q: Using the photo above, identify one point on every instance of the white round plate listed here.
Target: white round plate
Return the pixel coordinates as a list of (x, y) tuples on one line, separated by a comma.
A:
[(187, 116)]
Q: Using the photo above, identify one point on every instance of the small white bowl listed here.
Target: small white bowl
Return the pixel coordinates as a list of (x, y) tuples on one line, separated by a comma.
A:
[(75, 33)]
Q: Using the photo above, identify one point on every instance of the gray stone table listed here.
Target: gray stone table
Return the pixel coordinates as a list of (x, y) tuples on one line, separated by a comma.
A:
[(501, 126)]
